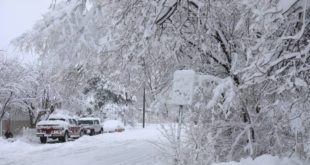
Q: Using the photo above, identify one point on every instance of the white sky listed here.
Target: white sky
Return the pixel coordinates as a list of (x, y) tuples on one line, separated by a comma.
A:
[(17, 17)]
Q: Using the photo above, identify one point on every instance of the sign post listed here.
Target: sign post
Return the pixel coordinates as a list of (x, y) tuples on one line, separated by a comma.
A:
[(0, 127), (181, 95), (180, 125)]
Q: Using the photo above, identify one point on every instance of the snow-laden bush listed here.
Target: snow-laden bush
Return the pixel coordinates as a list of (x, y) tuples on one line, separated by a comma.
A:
[(264, 160)]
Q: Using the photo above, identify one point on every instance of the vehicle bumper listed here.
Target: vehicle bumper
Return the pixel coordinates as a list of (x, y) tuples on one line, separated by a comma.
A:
[(52, 135), (88, 131)]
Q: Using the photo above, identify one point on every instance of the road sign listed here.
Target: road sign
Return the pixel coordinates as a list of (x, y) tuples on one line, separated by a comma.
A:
[(183, 87)]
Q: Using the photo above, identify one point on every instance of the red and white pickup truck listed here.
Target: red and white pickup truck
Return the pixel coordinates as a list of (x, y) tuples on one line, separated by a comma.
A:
[(58, 126)]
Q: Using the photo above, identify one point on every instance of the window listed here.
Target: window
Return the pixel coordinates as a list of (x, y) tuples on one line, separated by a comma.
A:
[(86, 122), (74, 122), (57, 119), (71, 121)]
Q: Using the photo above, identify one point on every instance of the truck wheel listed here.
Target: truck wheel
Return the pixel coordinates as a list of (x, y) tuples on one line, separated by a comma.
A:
[(64, 138), (92, 132), (43, 139), (81, 133), (101, 131)]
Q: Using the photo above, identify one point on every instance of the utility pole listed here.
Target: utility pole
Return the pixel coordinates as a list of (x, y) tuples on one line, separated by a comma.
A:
[(0, 127), (143, 109)]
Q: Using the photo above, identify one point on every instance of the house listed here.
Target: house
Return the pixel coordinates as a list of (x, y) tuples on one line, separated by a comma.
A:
[(15, 121)]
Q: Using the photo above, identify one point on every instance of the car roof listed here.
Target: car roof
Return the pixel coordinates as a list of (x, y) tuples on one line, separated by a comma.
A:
[(60, 116), (89, 118)]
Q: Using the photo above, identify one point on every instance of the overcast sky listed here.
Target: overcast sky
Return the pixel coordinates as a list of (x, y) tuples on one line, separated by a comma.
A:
[(18, 16)]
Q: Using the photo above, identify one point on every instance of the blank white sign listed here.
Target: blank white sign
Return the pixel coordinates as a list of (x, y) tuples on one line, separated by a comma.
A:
[(183, 86)]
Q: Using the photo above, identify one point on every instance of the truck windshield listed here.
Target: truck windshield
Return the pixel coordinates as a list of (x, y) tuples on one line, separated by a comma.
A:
[(90, 122), (57, 119)]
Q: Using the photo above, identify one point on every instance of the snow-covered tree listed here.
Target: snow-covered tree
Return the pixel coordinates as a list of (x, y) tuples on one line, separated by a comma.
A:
[(16, 85), (257, 53)]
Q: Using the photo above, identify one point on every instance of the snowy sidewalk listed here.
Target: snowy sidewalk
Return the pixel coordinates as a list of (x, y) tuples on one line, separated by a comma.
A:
[(132, 147)]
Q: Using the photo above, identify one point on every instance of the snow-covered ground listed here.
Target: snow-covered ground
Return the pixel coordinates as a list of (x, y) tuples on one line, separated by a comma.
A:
[(264, 160), (135, 146), (132, 147)]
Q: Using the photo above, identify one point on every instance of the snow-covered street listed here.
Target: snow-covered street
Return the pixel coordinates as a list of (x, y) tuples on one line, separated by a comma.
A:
[(132, 147)]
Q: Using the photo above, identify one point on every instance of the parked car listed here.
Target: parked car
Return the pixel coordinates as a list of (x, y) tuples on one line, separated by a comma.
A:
[(91, 125), (113, 126), (58, 127)]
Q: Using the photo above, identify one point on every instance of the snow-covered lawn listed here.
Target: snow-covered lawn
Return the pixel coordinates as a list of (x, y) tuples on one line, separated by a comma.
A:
[(132, 147)]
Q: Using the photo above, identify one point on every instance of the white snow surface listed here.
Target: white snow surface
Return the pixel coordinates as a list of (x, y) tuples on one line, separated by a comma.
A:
[(89, 118), (264, 160), (135, 146), (132, 147), (52, 122), (111, 125)]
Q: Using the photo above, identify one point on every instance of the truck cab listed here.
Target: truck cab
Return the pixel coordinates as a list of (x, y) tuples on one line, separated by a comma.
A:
[(90, 125)]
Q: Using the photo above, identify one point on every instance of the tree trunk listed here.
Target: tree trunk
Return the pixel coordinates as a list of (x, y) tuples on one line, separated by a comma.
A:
[(5, 105)]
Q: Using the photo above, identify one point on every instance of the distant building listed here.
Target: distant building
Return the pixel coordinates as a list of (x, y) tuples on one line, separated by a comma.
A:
[(15, 121)]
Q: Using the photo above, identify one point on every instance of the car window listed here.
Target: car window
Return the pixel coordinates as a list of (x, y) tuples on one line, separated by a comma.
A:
[(57, 119), (71, 121), (74, 122), (96, 122), (89, 122)]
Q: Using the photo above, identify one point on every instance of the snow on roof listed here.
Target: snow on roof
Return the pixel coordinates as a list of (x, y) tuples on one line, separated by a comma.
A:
[(52, 122), (59, 116), (61, 113), (89, 118)]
